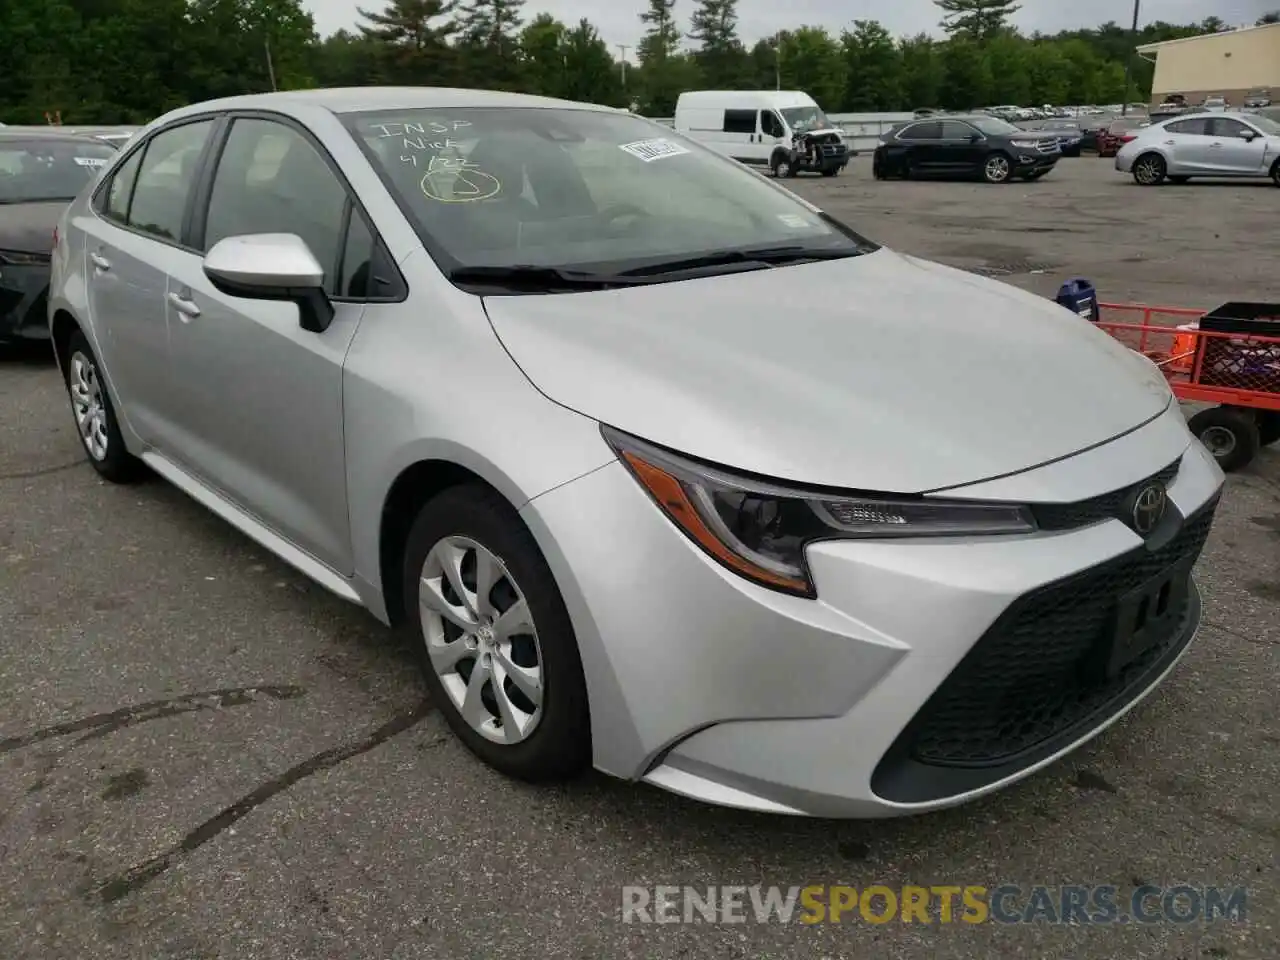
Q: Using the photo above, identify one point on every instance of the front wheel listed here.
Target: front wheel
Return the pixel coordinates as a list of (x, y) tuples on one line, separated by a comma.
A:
[(1149, 170), (1232, 436), (95, 415), (783, 168), (997, 169), (494, 638), (830, 171), (1268, 427)]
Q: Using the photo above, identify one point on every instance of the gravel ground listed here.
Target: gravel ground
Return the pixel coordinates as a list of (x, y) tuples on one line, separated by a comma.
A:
[(202, 755)]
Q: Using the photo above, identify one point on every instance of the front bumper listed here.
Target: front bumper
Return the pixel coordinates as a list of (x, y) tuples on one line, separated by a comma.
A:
[(24, 292), (1029, 161), (709, 686)]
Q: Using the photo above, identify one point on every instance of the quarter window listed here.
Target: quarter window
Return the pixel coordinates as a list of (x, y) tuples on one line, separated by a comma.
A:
[(270, 179), (120, 190), (166, 177)]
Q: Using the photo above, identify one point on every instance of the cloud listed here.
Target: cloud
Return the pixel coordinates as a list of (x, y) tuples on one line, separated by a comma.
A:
[(619, 23)]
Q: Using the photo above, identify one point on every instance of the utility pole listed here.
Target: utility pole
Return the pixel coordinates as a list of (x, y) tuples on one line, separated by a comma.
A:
[(777, 61), (623, 48), (271, 70), (1128, 61)]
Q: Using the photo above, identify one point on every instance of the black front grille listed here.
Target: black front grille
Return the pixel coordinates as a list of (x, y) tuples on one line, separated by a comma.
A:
[(1031, 680), (1107, 506)]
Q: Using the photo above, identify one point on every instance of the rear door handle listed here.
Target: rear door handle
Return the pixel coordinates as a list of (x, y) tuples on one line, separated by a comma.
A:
[(100, 263), (184, 305)]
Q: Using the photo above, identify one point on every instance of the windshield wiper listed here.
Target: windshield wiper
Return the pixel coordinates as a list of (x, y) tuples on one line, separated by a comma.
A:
[(529, 277), (769, 256)]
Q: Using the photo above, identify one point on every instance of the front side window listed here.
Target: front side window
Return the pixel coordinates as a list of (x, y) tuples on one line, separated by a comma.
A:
[(995, 127), (36, 170), (582, 189), (1226, 127), (805, 119), (772, 124), (270, 179), (166, 178)]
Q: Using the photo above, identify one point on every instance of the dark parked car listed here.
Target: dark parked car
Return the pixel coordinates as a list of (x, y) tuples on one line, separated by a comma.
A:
[(974, 146), (1071, 134), (40, 173)]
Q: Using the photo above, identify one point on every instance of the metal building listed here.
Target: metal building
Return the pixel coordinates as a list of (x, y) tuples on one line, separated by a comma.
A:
[(1227, 64)]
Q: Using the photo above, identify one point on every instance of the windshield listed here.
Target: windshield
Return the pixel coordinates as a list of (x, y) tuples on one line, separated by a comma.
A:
[(1266, 125), (804, 119), (36, 170), (578, 189), (995, 127)]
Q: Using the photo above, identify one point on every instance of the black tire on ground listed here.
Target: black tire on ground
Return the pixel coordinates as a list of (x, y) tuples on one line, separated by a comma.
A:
[(1230, 435), (830, 171), (782, 167), (997, 168), (559, 747), (1275, 173), (1179, 180), (1268, 427), (81, 374), (1149, 170)]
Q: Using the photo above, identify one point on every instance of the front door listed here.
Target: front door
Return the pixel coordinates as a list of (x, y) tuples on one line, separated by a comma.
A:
[(958, 152), (260, 398), (1235, 154), (136, 226), (1190, 147)]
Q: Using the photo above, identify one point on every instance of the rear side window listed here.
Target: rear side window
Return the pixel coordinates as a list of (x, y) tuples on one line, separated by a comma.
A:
[(120, 189), (739, 121), (166, 178), (922, 131), (1198, 126), (954, 130)]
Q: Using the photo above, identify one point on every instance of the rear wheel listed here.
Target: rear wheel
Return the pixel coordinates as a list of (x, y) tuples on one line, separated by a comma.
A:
[(95, 415), (1149, 170), (1275, 173), (998, 168), (494, 638), (1232, 436)]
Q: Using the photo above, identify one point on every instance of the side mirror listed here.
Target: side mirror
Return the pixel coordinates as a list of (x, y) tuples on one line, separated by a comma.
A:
[(975, 137), (1250, 135), (272, 266)]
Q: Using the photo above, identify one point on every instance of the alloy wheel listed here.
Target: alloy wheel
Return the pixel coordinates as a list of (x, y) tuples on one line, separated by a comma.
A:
[(87, 403), (1219, 441), (1148, 171), (998, 169), (481, 640)]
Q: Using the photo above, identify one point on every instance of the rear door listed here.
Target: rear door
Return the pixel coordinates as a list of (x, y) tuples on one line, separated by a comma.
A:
[(1233, 152), (139, 220), (260, 398), (740, 136), (921, 141)]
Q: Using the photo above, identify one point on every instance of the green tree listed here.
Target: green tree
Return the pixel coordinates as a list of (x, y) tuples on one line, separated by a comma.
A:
[(1006, 55), (1049, 73), (978, 19), (813, 61), (1213, 25), (590, 71), (663, 73), (413, 36), (1266, 18), (488, 43), (762, 63), (346, 59), (873, 68), (662, 36), (720, 55), (542, 44), (923, 72), (968, 83)]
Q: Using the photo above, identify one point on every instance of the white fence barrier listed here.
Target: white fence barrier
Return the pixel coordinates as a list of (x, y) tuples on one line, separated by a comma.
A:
[(862, 130)]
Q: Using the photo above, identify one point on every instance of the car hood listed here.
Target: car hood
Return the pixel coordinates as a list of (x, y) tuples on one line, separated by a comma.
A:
[(28, 227), (880, 372)]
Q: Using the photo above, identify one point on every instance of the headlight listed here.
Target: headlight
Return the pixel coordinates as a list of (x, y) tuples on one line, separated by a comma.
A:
[(1025, 144), (15, 258), (760, 530)]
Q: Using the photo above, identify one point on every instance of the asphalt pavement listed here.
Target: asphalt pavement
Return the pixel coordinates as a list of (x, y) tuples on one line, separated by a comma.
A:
[(202, 755)]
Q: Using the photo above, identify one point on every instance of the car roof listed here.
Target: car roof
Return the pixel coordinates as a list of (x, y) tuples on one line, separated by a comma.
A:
[(342, 100), (10, 135)]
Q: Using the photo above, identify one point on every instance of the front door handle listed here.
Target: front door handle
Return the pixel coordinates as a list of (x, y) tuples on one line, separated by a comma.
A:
[(100, 263), (1216, 146), (184, 306)]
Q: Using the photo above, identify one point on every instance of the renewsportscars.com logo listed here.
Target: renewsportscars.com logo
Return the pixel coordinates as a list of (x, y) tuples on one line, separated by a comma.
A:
[(879, 904)]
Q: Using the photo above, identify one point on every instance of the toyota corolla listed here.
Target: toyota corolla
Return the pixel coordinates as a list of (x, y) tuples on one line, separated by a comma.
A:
[(664, 469)]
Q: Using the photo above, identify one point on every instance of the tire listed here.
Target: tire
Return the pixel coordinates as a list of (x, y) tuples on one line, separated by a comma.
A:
[(830, 171), (1149, 170), (1275, 173), (782, 168), (997, 168), (95, 416), (1179, 181), (877, 168), (557, 742), (1268, 427), (1232, 436)]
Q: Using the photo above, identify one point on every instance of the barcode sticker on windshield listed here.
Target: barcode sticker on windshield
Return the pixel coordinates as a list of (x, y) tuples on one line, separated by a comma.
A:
[(651, 150), (793, 221), (90, 161)]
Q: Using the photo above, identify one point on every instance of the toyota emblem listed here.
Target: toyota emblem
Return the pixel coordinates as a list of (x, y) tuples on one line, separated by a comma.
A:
[(1148, 507)]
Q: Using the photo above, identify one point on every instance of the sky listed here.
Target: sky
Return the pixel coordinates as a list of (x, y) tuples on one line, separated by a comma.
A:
[(618, 20)]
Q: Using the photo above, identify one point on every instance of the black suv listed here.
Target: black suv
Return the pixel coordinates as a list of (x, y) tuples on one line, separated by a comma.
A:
[(966, 147)]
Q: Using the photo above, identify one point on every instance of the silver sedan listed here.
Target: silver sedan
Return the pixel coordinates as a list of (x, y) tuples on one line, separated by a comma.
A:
[(1204, 145)]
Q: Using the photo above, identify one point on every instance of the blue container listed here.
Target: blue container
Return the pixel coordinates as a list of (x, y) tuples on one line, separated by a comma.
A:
[(1079, 296)]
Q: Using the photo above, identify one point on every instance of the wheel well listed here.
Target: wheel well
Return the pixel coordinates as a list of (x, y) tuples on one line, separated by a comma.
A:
[(416, 485), (64, 325)]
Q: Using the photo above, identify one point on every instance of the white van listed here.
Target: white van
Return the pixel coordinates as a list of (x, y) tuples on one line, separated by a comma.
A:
[(758, 127)]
